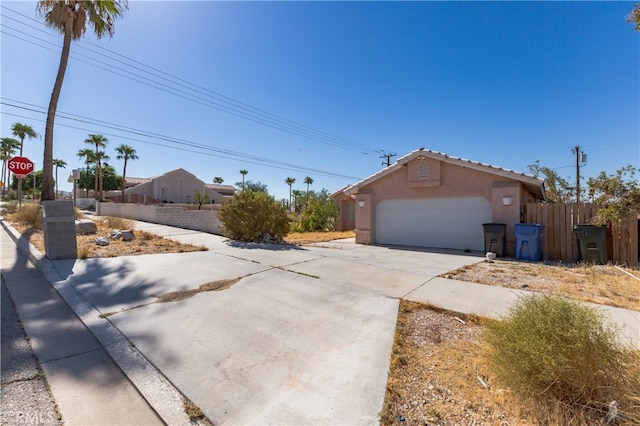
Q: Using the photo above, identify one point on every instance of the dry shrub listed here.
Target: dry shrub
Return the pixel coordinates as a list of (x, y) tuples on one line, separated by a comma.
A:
[(113, 222), (254, 216), (9, 208), (561, 356), (30, 215)]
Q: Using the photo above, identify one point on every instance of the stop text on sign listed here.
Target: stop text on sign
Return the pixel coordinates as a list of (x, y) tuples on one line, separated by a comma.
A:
[(20, 166)]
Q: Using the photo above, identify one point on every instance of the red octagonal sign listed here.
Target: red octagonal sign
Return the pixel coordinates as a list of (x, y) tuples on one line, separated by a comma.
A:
[(20, 166)]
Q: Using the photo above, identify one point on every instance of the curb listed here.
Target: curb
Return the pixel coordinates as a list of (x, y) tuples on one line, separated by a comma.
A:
[(164, 398)]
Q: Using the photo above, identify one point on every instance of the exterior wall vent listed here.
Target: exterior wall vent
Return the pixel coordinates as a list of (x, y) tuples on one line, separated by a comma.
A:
[(423, 171)]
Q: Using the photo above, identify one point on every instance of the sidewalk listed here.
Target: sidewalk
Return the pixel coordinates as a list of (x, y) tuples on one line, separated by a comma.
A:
[(87, 385)]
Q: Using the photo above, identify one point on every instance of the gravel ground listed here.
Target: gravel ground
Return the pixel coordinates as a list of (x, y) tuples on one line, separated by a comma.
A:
[(25, 395)]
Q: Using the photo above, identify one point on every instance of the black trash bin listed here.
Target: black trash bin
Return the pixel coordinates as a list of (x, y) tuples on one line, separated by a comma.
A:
[(528, 241), (592, 243), (495, 239)]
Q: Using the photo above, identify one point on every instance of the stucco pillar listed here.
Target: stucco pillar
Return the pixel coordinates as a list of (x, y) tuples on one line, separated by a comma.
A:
[(364, 218)]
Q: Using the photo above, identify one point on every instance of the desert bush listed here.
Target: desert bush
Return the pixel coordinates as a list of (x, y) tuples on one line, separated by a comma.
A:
[(319, 214), (254, 216), (561, 351), (114, 222), (29, 215)]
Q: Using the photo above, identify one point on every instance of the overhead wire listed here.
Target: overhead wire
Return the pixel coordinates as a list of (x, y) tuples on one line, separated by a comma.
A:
[(178, 143), (203, 96)]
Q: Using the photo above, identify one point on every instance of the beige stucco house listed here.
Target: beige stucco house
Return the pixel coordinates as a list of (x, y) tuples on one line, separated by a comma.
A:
[(430, 199), (176, 186)]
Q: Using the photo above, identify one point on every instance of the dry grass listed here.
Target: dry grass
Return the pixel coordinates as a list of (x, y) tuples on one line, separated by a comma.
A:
[(437, 376), (603, 284), (316, 237), (144, 243)]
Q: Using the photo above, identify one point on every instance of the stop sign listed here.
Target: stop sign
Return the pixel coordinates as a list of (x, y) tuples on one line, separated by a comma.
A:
[(20, 166)]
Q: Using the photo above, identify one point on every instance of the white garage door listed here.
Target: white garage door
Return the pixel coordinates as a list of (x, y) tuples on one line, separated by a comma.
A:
[(454, 223)]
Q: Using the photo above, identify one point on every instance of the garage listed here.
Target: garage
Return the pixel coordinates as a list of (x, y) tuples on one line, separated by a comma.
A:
[(452, 222)]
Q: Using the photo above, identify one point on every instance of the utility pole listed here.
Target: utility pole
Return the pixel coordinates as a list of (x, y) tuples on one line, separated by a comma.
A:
[(581, 157), (387, 157)]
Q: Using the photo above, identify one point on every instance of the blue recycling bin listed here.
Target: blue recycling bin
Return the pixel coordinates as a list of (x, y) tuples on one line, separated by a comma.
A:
[(528, 241)]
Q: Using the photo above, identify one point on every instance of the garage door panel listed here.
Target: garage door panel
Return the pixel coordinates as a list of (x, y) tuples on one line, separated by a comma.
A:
[(433, 222)]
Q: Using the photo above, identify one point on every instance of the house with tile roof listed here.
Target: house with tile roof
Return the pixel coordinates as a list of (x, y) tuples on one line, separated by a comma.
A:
[(177, 186), (431, 199)]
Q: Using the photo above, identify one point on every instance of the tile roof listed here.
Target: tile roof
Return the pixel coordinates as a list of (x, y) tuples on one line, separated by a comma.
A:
[(529, 180)]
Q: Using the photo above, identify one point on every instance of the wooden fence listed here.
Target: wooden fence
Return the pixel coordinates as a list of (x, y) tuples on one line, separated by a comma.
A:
[(559, 240)]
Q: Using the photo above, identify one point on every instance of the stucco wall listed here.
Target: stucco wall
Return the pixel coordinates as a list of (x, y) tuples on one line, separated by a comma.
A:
[(437, 180), (199, 220)]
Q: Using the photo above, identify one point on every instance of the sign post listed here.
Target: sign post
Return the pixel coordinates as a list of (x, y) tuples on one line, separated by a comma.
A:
[(21, 167)]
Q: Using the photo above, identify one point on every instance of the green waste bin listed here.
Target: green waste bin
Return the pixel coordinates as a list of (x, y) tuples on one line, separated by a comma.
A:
[(592, 243), (495, 239)]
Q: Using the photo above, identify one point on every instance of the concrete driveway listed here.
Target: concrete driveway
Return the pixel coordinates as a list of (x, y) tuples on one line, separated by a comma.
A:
[(304, 336)]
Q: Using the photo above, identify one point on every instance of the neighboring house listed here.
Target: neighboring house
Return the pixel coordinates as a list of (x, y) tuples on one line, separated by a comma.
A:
[(176, 186), (429, 199)]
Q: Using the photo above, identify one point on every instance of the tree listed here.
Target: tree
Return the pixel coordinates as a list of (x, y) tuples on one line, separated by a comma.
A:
[(70, 17), (8, 148), (619, 194), (22, 131), (243, 172), (87, 154), (58, 163), (200, 198), (634, 17), (100, 156), (218, 180), (319, 214), (290, 181), (556, 188), (98, 141), (308, 181), (32, 183), (111, 179), (126, 153), (256, 186)]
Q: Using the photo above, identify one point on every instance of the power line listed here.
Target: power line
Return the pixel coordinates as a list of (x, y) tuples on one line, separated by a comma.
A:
[(203, 96), (182, 144)]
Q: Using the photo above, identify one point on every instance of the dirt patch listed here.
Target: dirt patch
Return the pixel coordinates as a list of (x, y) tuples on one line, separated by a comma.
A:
[(437, 377), (144, 243), (603, 284), (175, 296), (317, 237)]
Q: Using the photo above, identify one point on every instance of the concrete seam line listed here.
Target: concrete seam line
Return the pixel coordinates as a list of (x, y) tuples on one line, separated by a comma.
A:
[(167, 403)]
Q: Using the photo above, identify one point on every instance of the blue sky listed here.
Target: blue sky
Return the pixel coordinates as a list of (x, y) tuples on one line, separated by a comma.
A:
[(338, 84)]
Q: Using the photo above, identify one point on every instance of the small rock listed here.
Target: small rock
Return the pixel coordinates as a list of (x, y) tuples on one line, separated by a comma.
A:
[(102, 241), (86, 226), (127, 235), (115, 234), (401, 418), (524, 286)]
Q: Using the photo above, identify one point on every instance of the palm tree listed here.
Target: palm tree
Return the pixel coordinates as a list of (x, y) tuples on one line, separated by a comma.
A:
[(8, 148), (58, 163), (98, 141), (87, 154), (71, 17), (126, 153), (218, 180), (100, 156), (22, 131), (308, 181), (243, 172), (290, 181)]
